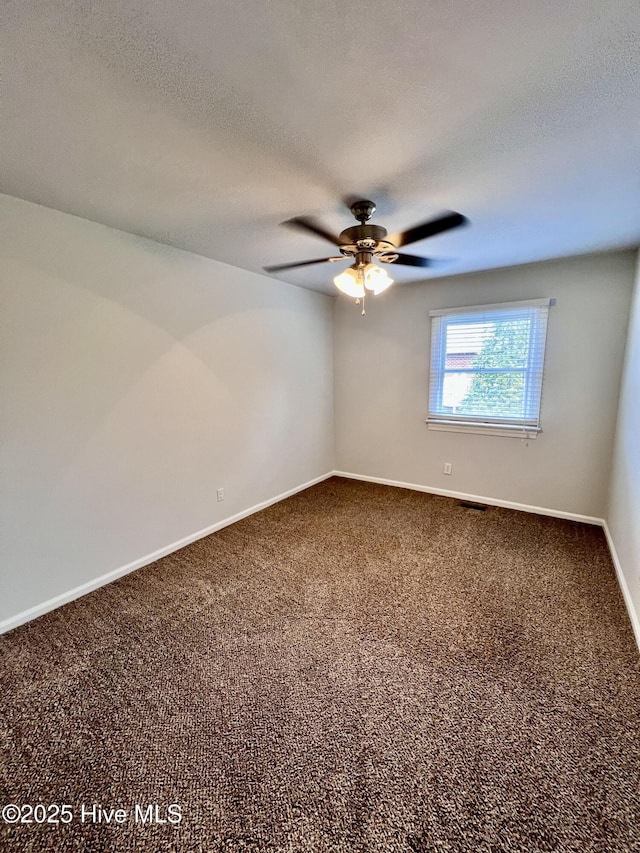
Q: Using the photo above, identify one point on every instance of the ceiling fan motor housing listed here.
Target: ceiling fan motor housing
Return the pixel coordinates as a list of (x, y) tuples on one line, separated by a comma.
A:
[(358, 233), (364, 242)]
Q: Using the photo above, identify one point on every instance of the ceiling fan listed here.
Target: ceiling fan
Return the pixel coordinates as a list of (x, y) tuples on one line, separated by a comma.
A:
[(366, 241)]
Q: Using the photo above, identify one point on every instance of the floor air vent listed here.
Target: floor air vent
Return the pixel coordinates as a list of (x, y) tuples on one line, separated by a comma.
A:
[(468, 505)]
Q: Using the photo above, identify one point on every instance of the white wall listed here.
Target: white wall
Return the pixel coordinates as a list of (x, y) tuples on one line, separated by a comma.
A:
[(136, 379), (623, 514), (381, 384)]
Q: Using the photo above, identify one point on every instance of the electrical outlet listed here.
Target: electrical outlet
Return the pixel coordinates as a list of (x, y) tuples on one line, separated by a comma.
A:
[(446, 468), (220, 494)]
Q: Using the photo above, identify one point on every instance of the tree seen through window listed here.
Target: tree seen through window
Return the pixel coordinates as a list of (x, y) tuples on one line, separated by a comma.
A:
[(497, 373)]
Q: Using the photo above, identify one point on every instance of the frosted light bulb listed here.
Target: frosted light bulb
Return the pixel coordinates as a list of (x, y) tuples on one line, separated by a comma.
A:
[(376, 279), (350, 282)]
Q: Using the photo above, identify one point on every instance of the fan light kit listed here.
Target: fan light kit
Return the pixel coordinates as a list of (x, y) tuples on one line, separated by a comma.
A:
[(355, 280), (366, 242)]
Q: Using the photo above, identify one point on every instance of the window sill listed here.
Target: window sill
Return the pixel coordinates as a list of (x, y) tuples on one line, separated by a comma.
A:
[(508, 430)]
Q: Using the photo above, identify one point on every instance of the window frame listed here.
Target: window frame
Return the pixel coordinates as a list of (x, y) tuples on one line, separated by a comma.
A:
[(525, 427)]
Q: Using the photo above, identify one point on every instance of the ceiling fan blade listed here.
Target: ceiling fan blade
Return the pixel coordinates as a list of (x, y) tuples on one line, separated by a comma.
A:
[(428, 229), (280, 267), (310, 225), (413, 261)]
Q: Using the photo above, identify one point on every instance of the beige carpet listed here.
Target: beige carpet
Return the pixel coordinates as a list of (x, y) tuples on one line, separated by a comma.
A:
[(358, 668)]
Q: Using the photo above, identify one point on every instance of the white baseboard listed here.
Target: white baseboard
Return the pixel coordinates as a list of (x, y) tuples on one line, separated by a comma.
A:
[(95, 583), (633, 616), (480, 499)]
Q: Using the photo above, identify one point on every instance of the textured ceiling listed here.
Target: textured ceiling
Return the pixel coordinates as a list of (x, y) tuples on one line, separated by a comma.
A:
[(206, 124)]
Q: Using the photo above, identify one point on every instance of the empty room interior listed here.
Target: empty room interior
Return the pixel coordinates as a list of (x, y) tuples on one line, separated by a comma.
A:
[(320, 381)]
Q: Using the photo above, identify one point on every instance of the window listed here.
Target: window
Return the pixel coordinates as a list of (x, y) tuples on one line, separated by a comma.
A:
[(486, 368)]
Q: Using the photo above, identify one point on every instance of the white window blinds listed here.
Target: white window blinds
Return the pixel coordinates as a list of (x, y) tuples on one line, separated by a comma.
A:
[(487, 364)]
